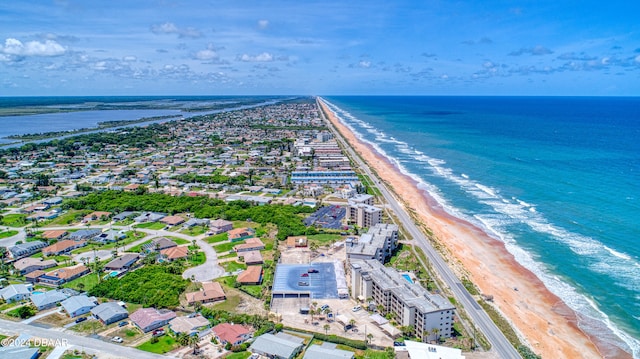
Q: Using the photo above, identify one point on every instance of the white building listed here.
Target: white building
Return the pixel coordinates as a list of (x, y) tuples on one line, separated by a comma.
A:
[(410, 305), (378, 243)]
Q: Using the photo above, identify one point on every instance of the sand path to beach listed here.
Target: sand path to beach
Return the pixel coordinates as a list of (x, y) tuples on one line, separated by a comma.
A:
[(545, 322)]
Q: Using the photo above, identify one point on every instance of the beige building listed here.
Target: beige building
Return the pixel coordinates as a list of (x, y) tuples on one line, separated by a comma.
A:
[(431, 315)]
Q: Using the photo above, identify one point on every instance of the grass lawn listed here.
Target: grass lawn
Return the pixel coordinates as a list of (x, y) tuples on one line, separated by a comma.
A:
[(324, 237), (151, 225), (228, 255), (67, 218), (14, 220), (200, 258), (165, 344), (233, 266), (238, 355), (253, 290), (88, 327), (225, 247), (8, 234), (179, 241), (193, 231), (217, 238), (243, 224), (137, 248), (88, 281)]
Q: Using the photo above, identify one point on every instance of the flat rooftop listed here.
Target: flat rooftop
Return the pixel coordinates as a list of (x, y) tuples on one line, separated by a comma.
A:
[(288, 279)]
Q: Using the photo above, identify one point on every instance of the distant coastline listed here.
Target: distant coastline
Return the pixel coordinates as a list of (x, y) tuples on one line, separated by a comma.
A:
[(101, 126)]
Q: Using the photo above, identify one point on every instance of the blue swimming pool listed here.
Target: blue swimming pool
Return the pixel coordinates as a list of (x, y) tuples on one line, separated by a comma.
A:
[(36, 292), (408, 278)]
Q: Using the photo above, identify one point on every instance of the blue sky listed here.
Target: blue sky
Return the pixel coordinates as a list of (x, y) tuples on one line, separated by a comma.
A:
[(165, 47)]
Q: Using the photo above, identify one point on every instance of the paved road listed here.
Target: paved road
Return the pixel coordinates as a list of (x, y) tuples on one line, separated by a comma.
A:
[(71, 341), (209, 269), (498, 341)]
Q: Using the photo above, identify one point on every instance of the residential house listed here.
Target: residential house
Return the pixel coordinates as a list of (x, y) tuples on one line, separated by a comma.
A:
[(83, 234), (326, 351), (190, 325), (48, 299), (62, 247), (123, 262), (26, 249), (28, 265), (251, 257), (148, 319), (78, 305), (63, 275), (192, 222), (235, 334), (250, 276), (297, 242), (34, 276), (110, 235), (220, 226), (109, 312), (251, 244), (239, 234), (19, 352), (158, 244), (16, 292), (175, 253), (149, 217), (280, 346), (210, 292), (172, 220), (54, 234), (94, 216), (122, 216)]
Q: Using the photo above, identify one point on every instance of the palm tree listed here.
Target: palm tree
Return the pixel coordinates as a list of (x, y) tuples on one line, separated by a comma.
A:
[(369, 338), (183, 339), (193, 342), (326, 328), (352, 322)]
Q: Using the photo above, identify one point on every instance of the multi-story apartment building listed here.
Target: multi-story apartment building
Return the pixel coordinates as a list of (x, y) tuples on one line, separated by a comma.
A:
[(378, 243), (431, 315), (362, 212)]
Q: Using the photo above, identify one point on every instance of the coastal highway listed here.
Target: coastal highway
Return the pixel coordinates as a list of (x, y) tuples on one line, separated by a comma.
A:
[(499, 342)]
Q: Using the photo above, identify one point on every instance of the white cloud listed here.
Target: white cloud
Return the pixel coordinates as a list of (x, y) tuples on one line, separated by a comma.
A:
[(263, 57), (364, 64), (206, 55), (171, 28), (263, 24), (32, 48), (129, 58)]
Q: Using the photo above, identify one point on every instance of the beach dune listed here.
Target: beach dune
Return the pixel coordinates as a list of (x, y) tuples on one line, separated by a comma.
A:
[(546, 323)]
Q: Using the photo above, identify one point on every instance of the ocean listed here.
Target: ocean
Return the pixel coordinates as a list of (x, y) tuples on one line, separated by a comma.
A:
[(557, 179)]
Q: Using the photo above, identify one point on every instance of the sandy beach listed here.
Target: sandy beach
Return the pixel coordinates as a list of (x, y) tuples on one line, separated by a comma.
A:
[(547, 324)]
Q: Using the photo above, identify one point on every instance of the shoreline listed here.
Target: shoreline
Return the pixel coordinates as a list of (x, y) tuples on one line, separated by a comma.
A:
[(548, 325)]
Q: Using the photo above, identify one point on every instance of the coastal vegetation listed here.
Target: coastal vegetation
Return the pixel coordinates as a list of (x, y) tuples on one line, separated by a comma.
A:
[(152, 286), (285, 217)]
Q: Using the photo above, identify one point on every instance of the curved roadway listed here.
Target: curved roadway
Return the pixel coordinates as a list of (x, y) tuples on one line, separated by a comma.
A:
[(499, 342)]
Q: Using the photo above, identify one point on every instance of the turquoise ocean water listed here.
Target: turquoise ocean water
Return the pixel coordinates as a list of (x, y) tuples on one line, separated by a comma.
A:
[(556, 179)]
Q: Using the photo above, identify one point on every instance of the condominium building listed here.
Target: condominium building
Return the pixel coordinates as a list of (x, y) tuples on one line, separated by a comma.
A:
[(378, 243), (323, 177), (431, 315), (363, 215)]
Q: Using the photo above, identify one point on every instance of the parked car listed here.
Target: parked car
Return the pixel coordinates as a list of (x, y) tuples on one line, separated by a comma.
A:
[(356, 308), (303, 284), (304, 274), (347, 327), (158, 332), (324, 306), (399, 344), (117, 339), (81, 319), (122, 324), (312, 270)]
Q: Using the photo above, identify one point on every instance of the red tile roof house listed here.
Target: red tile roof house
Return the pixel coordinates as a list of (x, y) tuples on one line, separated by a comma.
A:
[(63, 275), (55, 234), (251, 244), (235, 334), (172, 220), (61, 247), (239, 234), (148, 319), (28, 265), (174, 253), (211, 292), (250, 276)]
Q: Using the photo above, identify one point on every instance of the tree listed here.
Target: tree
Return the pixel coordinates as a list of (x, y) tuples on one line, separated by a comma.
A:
[(369, 338), (326, 328), (352, 322), (183, 339)]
